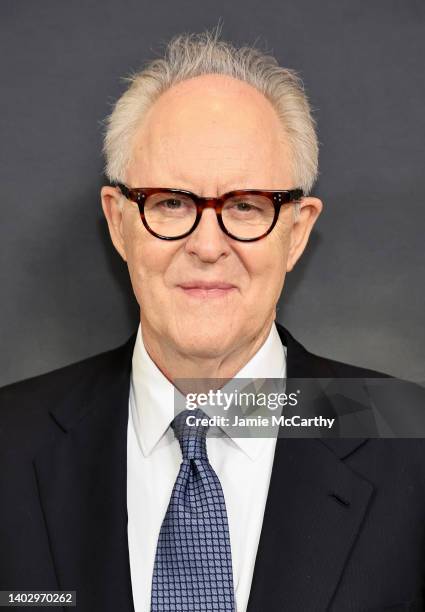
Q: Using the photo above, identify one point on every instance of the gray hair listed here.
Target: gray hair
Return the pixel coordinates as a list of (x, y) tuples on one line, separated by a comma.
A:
[(190, 55)]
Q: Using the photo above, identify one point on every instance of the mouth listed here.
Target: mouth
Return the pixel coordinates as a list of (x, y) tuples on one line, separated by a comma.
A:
[(205, 289)]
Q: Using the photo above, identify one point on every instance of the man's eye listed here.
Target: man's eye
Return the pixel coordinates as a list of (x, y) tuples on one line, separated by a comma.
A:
[(244, 206), (171, 204)]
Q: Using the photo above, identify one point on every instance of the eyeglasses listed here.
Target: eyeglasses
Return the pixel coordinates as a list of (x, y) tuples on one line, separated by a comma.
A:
[(244, 214)]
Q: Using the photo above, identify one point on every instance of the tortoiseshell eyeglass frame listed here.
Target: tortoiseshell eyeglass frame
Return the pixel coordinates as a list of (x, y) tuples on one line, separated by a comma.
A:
[(277, 198)]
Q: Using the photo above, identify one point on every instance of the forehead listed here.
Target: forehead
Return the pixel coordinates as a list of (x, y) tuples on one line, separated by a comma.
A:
[(211, 125)]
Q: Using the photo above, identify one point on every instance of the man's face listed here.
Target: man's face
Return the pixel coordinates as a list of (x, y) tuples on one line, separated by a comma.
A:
[(210, 134)]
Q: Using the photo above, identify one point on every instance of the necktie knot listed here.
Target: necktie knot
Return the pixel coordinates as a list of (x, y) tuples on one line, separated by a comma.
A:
[(191, 433)]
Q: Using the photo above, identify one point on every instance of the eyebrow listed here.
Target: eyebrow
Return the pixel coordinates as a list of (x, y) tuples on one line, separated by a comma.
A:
[(182, 179)]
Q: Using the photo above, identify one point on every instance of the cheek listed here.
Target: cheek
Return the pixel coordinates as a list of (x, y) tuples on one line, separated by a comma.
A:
[(148, 260), (265, 262)]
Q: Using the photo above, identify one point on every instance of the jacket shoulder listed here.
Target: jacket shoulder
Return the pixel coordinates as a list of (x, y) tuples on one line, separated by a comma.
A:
[(340, 369), (24, 405), (309, 364)]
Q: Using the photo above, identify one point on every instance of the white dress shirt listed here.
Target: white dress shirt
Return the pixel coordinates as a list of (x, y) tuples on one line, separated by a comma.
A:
[(243, 466)]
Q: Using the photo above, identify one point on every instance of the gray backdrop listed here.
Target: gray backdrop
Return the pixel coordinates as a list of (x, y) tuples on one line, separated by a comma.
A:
[(358, 294)]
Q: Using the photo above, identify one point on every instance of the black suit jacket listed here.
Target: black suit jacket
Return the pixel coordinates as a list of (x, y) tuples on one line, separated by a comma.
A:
[(344, 524)]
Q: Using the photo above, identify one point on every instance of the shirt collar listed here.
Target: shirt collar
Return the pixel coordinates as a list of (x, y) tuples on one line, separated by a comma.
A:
[(153, 394)]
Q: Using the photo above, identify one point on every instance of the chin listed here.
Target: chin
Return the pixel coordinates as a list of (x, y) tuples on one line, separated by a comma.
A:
[(206, 345)]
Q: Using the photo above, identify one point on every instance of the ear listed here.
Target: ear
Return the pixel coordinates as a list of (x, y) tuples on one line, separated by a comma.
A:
[(112, 210), (310, 209)]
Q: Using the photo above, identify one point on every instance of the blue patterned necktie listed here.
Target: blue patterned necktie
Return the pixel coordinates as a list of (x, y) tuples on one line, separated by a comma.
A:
[(193, 563)]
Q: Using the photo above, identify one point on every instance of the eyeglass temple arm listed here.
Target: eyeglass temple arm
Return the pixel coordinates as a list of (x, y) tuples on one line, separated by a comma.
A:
[(124, 190)]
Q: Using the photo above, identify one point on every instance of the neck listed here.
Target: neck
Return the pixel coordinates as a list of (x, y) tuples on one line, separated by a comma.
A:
[(177, 365)]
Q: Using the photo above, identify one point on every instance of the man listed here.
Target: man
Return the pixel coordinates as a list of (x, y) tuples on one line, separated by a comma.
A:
[(211, 154)]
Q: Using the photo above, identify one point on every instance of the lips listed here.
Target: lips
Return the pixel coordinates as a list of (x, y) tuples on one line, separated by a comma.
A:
[(206, 289), (207, 285)]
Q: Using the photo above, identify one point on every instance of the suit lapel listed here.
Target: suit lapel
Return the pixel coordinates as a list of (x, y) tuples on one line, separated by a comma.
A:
[(82, 484), (314, 510)]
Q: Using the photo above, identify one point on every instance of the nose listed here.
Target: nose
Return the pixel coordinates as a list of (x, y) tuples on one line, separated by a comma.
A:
[(207, 241)]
